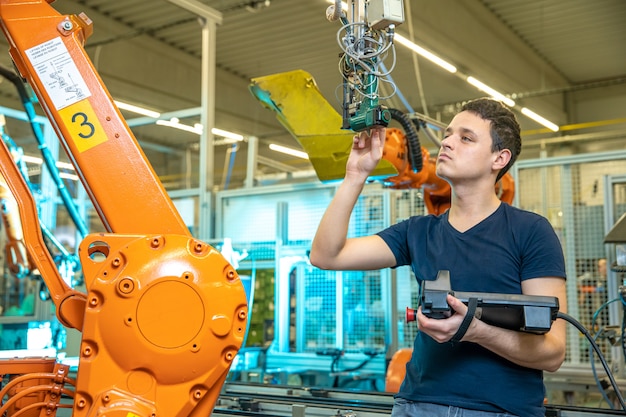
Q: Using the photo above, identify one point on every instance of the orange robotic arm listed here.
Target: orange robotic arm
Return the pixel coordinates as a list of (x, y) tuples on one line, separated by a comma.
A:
[(164, 314), (437, 192), (16, 255)]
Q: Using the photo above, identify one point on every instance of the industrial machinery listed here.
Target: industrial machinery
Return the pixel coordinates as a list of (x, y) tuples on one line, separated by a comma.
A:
[(293, 96), (366, 36), (164, 313)]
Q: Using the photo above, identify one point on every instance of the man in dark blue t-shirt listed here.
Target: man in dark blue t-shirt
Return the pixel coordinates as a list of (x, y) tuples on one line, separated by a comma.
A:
[(487, 245)]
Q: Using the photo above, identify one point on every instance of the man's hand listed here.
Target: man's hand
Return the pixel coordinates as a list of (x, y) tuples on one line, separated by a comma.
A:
[(442, 330), (367, 151), (331, 248)]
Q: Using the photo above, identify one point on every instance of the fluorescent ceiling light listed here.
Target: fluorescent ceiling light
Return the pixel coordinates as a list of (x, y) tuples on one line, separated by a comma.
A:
[(65, 165), (62, 165), (68, 176), (531, 114), (226, 134), (289, 151), (493, 93), (197, 129), (39, 161), (173, 122), (423, 52), (32, 159), (137, 109)]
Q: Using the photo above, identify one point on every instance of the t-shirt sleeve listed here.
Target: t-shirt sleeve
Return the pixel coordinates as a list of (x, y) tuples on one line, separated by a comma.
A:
[(543, 253), (395, 237)]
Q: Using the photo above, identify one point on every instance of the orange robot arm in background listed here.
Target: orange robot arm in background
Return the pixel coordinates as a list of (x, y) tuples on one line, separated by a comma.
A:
[(436, 190), (16, 255), (164, 314)]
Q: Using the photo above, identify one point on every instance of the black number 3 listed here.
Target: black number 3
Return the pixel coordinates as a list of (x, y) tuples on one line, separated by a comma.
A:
[(84, 123)]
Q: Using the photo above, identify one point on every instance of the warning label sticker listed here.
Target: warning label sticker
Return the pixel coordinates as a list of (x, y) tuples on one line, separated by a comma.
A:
[(58, 73)]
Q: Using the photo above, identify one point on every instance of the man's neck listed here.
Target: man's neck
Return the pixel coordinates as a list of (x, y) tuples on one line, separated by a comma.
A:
[(470, 207)]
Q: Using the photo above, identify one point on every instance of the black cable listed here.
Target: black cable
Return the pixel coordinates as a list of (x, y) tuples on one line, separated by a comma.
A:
[(623, 328), (359, 366), (596, 348), (599, 383), (414, 148), (48, 160)]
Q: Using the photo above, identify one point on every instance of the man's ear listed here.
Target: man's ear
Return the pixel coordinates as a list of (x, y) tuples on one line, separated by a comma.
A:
[(502, 159)]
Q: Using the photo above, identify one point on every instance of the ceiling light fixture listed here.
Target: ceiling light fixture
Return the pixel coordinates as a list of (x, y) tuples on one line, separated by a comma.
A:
[(288, 151), (63, 165), (426, 54), (197, 129), (226, 134), (532, 115), (38, 161), (136, 109), (67, 176), (493, 93), (175, 123)]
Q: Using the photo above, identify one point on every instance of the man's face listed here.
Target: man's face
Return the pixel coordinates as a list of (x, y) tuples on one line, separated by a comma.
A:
[(465, 152)]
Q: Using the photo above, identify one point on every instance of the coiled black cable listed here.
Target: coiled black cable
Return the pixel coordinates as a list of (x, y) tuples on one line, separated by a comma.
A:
[(414, 149)]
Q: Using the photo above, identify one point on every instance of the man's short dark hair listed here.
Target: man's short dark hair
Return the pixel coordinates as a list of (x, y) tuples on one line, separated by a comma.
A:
[(505, 130)]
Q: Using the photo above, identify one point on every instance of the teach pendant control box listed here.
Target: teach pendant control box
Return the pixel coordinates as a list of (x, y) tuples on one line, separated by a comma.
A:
[(525, 313)]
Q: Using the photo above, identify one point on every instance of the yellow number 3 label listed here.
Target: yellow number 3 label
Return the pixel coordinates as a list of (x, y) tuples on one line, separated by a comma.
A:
[(83, 124)]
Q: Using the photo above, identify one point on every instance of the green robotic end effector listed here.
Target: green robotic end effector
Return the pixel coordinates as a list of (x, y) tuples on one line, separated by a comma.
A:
[(370, 117)]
